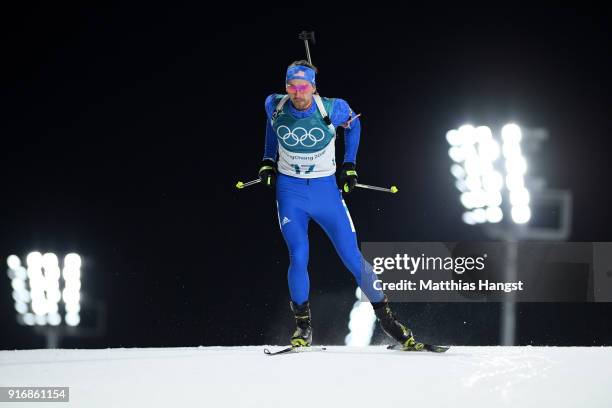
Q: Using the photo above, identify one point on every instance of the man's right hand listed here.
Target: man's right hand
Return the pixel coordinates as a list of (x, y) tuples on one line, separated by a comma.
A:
[(267, 173)]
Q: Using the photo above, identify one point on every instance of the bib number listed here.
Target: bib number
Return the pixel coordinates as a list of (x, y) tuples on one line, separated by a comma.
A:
[(307, 167)]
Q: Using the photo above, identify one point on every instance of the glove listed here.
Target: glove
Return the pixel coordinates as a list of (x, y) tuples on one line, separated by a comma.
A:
[(267, 173), (348, 177)]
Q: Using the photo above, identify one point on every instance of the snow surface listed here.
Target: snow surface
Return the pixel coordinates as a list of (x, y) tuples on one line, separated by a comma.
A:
[(339, 377)]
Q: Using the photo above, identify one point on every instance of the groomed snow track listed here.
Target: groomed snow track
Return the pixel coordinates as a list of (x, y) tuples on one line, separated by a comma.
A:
[(338, 377)]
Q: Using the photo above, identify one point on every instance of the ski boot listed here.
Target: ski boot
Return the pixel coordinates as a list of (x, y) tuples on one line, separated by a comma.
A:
[(393, 328), (302, 336)]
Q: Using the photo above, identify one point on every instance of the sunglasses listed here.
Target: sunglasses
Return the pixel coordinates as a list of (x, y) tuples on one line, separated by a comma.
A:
[(296, 88)]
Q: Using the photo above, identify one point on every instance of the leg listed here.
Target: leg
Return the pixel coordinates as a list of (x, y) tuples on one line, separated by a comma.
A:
[(331, 213), (293, 221), (333, 216)]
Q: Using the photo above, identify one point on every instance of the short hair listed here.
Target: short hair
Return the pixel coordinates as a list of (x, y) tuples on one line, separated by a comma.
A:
[(304, 63)]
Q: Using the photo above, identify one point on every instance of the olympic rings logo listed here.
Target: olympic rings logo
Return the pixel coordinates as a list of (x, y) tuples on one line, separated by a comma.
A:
[(300, 135)]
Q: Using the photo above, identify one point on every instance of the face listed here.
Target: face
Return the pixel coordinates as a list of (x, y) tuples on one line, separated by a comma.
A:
[(300, 92)]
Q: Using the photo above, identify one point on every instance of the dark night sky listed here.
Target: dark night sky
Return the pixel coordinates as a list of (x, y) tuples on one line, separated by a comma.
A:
[(124, 131)]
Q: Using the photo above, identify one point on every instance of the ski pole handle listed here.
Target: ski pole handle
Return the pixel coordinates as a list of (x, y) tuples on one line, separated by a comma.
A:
[(391, 190), (240, 185)]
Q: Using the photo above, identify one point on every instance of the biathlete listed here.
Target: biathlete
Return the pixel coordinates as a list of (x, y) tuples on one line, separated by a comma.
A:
[(300, 161)]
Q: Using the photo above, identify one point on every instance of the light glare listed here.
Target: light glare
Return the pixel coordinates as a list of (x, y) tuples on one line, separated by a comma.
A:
[(521, 214), (13, 262), (511, 133)]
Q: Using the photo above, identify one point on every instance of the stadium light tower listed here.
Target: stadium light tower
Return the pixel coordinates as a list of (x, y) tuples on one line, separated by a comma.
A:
[(479, 176), (497, 192), (40, 295)]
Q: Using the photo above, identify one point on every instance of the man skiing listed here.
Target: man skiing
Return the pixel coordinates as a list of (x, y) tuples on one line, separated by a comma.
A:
[(301, 131)]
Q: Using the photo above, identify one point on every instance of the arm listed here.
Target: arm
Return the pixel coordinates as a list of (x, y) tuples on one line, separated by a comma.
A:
[(351, 141), (271, 144), (267, 167), (341, 114)]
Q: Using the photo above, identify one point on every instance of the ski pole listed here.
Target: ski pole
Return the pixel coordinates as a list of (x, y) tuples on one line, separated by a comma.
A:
[(348, 122), (391, 190), (241, 185)]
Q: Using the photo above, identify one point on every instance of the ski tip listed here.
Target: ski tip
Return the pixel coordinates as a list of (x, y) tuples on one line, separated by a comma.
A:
[(294, 349), (426, 347), (437, 349)]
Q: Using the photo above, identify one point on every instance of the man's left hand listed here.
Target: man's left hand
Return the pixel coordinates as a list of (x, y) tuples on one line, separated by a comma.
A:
[(348, 177)]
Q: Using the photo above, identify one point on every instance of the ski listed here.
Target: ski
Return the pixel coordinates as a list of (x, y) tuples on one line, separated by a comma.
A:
[(426, 347), (294, 349)]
